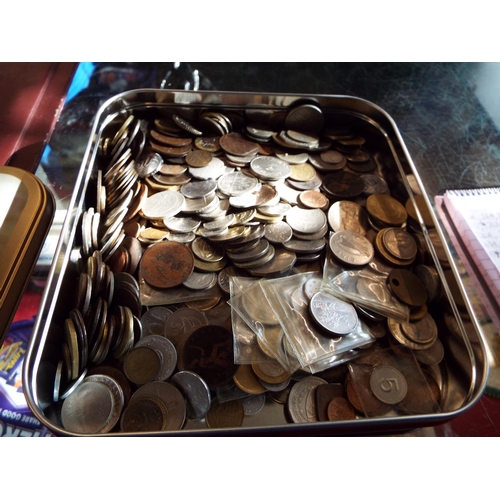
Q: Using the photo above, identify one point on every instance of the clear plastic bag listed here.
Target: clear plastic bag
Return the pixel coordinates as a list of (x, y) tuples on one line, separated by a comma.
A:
[(311, 347), (366, 288)]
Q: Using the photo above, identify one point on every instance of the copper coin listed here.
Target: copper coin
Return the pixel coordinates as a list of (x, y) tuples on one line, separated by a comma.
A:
[(235, 144), (340, 409), (422, 208), (247, 381), (208, 351), (324, 394), (420, 399), (198, 158), (407, 287), (167, 264), (342, 184), (168, 140)]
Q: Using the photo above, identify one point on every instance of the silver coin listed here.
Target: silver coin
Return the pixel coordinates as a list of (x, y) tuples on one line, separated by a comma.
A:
[(181, 237), (171, 397), (278, 209), (148, 164), (167, 351), (213, 170), (201, 281), (282, 262), (351, 248), (88, 409), (220, 223), (117, 394), (374, 184), (163, 205), (306, 185), (195, 391), (256, 252), (312, 286), (200, 205), (198, 189), (153, 320), (224, 278), (306, 220), (333, 314), (270, 168), (301, 402), (388, 384), (181, 224), (305, 246), (236, 184), (278, 233), (255, 198), (183, 321), (253, 404), (292, 158), (288, 194)]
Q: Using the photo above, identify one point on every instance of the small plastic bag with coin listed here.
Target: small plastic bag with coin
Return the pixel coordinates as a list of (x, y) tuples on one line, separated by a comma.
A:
[(246, 347), (314, 336), (368, 289), (252, 306), (382, 383)]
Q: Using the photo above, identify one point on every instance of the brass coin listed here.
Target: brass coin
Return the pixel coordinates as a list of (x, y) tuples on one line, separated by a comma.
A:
[(167, 264), (302, 172), (340, 409), (271, 372), (422, 208), (423, 331), (145, 414), (247, 381), (225, 415), (399, 243), (386, 209), (142, 365)]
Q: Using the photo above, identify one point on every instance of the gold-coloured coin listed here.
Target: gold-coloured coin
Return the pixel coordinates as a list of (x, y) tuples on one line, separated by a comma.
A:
[(247, 381), (225, 415), (271, 372), (302, 172), (386, 209)]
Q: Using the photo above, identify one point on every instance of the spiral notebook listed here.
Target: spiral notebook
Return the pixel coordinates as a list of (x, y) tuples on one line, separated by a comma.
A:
[(472, 218)]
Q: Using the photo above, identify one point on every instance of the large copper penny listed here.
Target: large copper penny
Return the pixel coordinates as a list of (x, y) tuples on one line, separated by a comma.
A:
[(208, 351), (340, 409), (167, 264)]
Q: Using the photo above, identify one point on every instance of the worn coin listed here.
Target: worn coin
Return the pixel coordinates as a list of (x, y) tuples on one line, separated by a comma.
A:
[(270, 168), (208, 351), (144, 415), (166, 264), (142, 365), (386, 209), (225, 415), (339, 408), (306, 220), (388, 384), (181, 322), (167, 351), (301, 402), (349, 215), (407, 287), (163, 204)]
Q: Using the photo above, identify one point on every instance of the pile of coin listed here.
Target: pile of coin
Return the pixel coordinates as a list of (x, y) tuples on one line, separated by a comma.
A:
[(184, 201)]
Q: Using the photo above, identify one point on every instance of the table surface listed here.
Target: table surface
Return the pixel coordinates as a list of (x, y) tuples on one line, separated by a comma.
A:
[(448, 115)]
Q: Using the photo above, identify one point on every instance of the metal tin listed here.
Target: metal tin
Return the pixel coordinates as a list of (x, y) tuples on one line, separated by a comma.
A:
[(464, 370), (26, 212)]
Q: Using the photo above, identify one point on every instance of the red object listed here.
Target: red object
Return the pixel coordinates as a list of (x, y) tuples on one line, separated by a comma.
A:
[(31, 99)]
